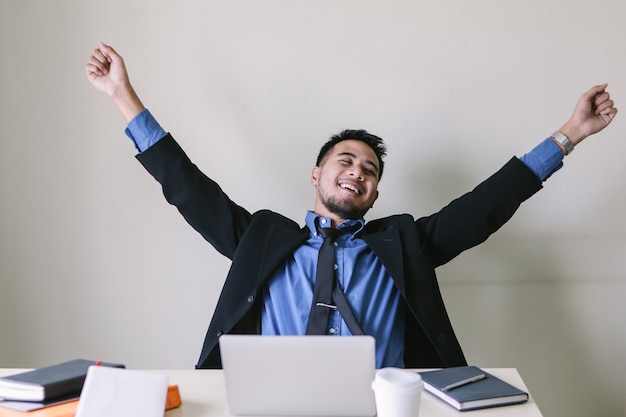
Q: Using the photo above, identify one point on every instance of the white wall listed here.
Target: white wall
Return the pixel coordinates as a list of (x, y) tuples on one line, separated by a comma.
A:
[(94, 263)]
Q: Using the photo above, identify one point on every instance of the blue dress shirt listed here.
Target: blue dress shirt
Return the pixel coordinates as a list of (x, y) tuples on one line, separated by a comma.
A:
[(369, 288), (367, 285)]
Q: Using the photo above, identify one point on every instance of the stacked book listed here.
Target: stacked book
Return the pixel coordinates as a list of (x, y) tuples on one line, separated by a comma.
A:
[(54, 390), (31, 390)]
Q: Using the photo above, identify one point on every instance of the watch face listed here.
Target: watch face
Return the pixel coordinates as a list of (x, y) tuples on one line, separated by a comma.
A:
[(563, 140)]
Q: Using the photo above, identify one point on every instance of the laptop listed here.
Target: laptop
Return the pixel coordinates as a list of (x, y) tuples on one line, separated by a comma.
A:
[(299, 375)]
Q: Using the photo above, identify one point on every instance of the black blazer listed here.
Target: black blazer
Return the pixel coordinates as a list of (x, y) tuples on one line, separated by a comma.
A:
[(410, 249)]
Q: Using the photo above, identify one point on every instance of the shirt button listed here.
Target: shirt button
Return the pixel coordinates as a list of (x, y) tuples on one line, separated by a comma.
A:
[(323, 221), (332, 330), (250, 298), (335, 243), (335, 267)]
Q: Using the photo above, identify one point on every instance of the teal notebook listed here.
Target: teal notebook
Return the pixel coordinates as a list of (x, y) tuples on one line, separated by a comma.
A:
[(470, 388)]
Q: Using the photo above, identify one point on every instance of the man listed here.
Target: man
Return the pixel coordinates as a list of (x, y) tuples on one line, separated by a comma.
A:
[(385, 267)]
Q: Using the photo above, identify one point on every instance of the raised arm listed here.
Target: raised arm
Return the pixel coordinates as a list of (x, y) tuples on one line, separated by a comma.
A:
[(107, 73)]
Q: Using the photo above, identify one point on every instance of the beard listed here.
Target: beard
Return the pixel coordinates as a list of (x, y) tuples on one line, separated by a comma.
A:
[(345, 210)]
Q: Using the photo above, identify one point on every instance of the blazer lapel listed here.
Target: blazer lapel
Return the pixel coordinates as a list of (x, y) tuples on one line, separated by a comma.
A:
[(386, 245), (279, 244)]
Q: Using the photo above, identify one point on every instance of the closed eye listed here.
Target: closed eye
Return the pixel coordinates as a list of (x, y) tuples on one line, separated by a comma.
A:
[(347, 158)]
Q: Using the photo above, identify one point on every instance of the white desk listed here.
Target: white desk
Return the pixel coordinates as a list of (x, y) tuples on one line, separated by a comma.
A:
[(203, 395)]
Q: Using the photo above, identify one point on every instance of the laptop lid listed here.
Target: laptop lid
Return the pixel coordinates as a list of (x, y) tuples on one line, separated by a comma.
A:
[(299, 375)]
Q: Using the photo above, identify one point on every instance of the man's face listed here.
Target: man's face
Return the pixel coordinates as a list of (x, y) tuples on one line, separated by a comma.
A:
[(346, 181)]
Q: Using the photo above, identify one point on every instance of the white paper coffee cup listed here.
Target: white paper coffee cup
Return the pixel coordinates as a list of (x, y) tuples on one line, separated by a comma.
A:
[(398, 392)]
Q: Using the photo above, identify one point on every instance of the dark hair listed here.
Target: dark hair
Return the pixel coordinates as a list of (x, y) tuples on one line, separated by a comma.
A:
[(373, 141)]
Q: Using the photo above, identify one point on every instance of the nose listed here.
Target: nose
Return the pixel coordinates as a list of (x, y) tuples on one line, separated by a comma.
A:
[(355, 171)]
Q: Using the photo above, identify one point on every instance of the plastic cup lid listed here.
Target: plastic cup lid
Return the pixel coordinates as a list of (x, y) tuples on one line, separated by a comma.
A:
[(397, 378)]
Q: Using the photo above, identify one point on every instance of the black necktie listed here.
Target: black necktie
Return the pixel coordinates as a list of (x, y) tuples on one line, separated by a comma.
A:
[(327, 295)]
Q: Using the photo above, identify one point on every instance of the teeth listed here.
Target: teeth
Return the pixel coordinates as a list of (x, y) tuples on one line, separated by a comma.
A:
[(350, 187)]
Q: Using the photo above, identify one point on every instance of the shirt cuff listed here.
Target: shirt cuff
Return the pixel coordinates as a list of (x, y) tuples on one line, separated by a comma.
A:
[(144, 130), (545, 159)]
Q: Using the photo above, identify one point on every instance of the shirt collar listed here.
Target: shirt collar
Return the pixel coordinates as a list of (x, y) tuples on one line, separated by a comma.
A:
[(356, 226)]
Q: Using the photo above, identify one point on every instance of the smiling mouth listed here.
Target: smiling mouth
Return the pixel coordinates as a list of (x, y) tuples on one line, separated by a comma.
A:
[(350, 187)]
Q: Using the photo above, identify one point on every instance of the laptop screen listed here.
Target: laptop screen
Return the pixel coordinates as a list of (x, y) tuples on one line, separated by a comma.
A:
[(299, 375)]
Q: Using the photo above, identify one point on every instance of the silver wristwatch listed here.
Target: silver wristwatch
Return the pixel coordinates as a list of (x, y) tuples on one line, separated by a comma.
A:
[(563, 140)]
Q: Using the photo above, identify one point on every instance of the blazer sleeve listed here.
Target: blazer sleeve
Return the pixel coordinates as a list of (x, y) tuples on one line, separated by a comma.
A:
[(470, 219), (199, 199)]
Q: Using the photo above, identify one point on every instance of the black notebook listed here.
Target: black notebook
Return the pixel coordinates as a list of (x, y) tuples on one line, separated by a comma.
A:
[(470, 388), (42, 384)]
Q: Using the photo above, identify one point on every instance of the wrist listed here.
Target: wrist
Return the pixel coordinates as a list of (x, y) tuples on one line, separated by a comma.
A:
[(573, 133), (127, 102)]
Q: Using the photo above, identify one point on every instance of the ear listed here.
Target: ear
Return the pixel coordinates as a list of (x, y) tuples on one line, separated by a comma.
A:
[(315, 174)]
